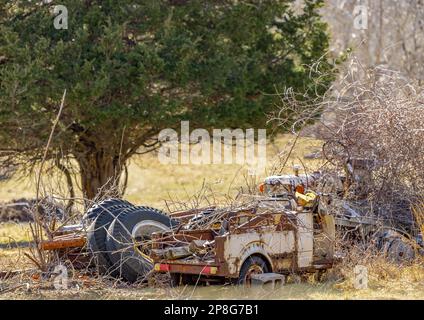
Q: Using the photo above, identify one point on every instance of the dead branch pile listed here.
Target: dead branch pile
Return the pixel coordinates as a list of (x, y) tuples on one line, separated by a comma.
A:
[(379, 124), (382, 121)]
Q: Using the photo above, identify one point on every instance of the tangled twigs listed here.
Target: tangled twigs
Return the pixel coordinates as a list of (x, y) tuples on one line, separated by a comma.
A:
[(382, 124), (373, 132), (39, 223)]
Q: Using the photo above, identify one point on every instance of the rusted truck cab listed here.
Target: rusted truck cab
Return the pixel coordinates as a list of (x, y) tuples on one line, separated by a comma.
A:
[(270, 238)]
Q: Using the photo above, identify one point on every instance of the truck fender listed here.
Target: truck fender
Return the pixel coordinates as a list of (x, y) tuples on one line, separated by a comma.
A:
[(254, 249)]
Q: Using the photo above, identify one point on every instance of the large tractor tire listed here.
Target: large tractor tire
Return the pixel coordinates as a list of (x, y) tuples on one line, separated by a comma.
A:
[(125, 238), (98, 208), (96, 236)]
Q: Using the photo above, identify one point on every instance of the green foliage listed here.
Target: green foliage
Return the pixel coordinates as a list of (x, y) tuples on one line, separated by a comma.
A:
[(144, 65)]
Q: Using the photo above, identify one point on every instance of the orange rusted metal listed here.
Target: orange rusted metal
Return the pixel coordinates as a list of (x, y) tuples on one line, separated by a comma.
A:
[(74, 241), (187, 268)]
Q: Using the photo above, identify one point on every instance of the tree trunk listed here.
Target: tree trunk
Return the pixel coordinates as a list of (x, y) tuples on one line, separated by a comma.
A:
[(70, 184), (100, 175)]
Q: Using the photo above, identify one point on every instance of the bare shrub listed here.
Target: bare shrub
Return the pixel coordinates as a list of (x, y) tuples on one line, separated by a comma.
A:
[(382, 120), (378, 121)]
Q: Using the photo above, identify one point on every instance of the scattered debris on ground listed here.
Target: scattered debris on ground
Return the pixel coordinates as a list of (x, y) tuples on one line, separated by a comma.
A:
[(21, 210)]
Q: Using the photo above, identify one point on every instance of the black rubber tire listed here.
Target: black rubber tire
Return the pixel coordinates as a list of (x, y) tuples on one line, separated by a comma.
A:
[(96, 236), (111, 247), (125, 259), (98, 208), (251, 261)]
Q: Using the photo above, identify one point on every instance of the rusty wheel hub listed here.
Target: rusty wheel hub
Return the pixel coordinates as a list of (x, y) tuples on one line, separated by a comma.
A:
[(253, 269)]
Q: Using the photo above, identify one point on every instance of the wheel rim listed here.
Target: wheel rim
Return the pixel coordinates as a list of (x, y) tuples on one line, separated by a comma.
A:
[(142, 232), (253, 269)]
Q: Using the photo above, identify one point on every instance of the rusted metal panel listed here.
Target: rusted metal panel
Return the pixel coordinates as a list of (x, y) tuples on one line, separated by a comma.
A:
[(284, 264), (187, 268), (238, 247), (64, 242)]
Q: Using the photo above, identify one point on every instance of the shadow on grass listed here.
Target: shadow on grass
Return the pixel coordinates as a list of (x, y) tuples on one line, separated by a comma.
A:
[(16, 245)]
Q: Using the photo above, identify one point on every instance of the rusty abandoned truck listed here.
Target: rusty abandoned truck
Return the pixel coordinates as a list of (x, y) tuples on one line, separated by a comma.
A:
[(287, 230), (285, 235), (264, 239)]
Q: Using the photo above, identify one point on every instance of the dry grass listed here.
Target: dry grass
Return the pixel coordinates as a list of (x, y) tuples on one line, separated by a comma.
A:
[(386, 281), (14, 259), (14, 239), (14, 233)]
